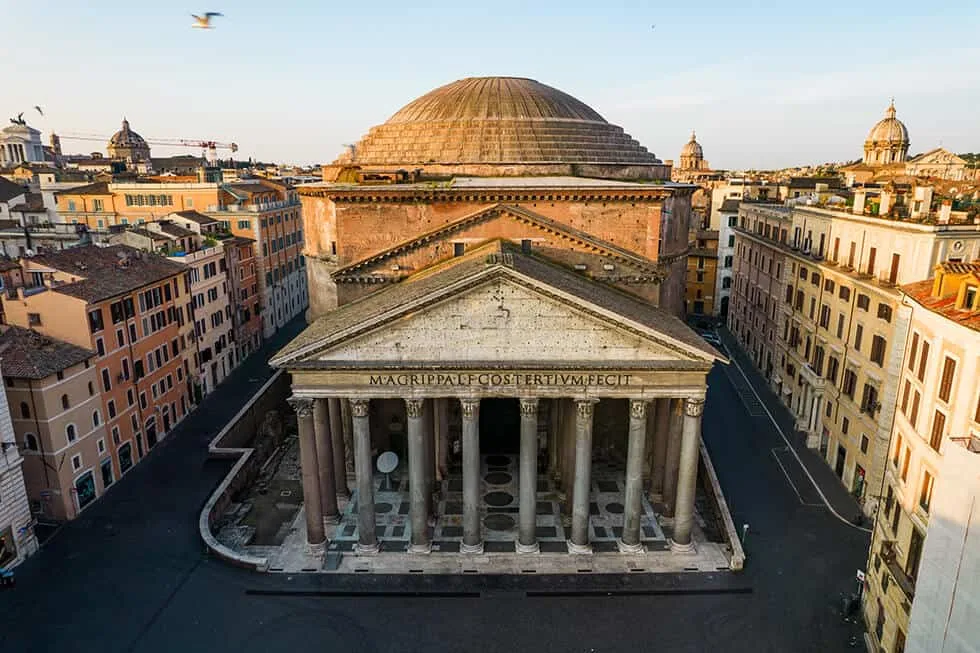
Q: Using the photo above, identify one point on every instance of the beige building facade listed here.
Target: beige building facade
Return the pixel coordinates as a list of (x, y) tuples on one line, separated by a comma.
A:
[(923, 552), (52, 387), (17, 538), (816, 303)]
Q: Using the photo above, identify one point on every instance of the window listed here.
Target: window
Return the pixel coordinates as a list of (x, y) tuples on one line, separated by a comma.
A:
[(76, 462), (840, 325), (898, 451), (833, 365), (850, 383), (828, 285), (885, 312), (111, 406), (844, 293), (106, 381), (865, 442), (115, 435), (120, 337), (91, 389), (878, 350), (869, 399), (129, 397), (96, 419), (845, 425), (106, 467), (923, 360), (914, 413), (825, 316), (858, 335), (70, 433), (95, 320), (946, 384), (925, 494), (912, 351), (34, 319), (100, 346), (905, 396), (905, 465), (938, 426), (915, 554)]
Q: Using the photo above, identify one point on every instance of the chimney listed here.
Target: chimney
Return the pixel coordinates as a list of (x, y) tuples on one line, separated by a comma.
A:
[(921, 201), (885, 203), (944, 211), (859, 197)]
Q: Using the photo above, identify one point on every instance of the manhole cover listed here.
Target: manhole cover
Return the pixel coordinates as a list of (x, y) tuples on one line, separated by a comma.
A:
[(386, 507), (498, 460), (498, 478), (615, 508), (498, 522), (498, 499)]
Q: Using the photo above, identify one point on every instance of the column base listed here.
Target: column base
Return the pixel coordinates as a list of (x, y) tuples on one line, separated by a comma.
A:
[(471, 548), (317, 549), (527, 548), (366, 549), (676, 547), (630, 548), (579, 549), (420, 549), (331, 520)]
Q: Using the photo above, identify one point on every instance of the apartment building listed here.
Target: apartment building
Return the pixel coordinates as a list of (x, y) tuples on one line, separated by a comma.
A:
[(214, 354), (702, 268), (125, 305), (270, 214), (265, 211), (17, 538), (815, 302), (59, 421), (922, 583), (243, 283)]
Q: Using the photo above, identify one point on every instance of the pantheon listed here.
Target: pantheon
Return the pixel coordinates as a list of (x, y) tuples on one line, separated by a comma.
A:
[(497, 280)]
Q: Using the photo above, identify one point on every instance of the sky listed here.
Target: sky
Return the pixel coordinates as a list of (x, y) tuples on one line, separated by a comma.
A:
[(765, 84)]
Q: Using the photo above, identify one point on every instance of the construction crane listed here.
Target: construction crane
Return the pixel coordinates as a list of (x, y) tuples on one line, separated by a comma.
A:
[(209, 149)]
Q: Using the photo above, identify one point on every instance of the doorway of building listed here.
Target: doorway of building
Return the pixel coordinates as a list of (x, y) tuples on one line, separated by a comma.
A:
[(151, 432), (500, 426), (841, 457)]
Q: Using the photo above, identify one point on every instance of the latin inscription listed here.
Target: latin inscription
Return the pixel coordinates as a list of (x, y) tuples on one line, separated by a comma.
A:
[(463, 379)]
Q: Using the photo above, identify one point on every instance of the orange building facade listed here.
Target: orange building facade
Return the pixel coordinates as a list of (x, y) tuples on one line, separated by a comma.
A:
[(131, 305)]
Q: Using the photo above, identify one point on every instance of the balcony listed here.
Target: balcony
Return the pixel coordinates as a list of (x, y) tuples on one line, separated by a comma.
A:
[(905, 582)]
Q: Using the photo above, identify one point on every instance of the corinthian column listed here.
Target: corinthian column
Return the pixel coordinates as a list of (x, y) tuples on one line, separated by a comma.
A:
[(315, 536), (687, 476), (414, 409), (472, 539), (527, 541), (630, 542), (583, 477), (339, 449), (367, 540)]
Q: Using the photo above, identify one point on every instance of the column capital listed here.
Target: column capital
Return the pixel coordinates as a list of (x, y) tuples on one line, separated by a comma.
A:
[(471, 407), (413, 407), (301, 406), (529, 407), (639, 408), (359, 407), (694, 406), (585, 407)]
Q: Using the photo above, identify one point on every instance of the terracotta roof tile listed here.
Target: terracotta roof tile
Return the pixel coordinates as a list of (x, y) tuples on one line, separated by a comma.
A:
[(27, 354)]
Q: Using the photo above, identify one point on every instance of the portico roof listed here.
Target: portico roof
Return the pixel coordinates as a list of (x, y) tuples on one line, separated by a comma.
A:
[(611, 328)]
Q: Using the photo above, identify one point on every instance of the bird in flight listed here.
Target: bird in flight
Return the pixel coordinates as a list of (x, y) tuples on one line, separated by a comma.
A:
[(204, 22), (38, 109)]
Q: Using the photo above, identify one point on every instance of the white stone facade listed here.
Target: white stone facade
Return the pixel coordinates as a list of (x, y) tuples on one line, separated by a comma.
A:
[(17, 539)]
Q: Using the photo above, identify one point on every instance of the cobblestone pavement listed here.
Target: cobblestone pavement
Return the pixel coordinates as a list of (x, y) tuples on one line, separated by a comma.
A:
[(131, 574)]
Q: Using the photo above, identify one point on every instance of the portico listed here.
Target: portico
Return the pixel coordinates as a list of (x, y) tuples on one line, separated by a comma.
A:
[(569, 370)]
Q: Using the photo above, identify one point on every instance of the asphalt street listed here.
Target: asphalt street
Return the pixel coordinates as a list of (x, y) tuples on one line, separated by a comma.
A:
[(131, 573)]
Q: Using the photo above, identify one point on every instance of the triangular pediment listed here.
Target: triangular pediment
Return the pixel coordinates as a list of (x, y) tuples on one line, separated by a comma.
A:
[(493, 222), (497, 305), (501, 320), (938, 155)]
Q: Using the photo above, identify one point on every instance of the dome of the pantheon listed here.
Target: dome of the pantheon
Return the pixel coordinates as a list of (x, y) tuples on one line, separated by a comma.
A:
[(498, 121)]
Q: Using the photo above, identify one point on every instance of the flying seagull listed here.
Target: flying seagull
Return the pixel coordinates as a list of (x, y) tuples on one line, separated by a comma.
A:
[(204, 22), (38, 109)]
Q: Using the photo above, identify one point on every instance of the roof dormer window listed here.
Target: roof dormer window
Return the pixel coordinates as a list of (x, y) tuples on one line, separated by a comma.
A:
[(969, 302)]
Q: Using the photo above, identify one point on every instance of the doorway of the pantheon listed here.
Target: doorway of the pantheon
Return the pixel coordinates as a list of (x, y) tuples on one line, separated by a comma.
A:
[(500, 426)]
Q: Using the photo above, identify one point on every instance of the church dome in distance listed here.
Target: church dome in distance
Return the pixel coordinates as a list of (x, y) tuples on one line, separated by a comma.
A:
[(126, 137), (498, 121), (692, 147), (889, 129)]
